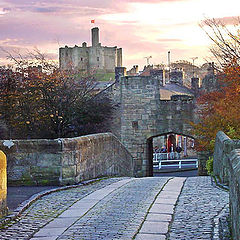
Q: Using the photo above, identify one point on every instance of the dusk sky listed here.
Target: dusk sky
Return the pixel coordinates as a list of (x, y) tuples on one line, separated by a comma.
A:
[(141, 27)]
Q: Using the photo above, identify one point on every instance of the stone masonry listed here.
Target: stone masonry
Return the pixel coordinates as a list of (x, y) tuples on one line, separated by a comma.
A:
[(67, 161), (223, 147), (144, 116), (95, 57), (234, 192), (226, 166)]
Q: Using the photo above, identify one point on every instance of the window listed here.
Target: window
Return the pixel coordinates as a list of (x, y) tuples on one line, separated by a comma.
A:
[(98, 59)]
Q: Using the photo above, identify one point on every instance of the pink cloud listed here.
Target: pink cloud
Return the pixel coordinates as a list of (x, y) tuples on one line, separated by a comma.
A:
[(230, 20), (44, 22), (169, 40), (153, 1), (58, 5)]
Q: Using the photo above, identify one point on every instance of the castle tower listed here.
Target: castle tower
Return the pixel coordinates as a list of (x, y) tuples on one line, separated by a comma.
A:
[(94, 57), (95, 36)]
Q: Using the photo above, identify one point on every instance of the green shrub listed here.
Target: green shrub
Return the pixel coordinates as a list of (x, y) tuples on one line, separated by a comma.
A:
[(209, 166)]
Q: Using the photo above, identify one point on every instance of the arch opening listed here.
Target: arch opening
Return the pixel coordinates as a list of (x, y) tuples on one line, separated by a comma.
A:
[(171, 151)]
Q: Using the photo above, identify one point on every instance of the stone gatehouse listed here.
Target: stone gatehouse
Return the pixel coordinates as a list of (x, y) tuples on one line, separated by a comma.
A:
[(146, 113)]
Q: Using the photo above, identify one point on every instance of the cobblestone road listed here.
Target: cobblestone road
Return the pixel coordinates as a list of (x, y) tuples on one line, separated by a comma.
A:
[(46, 209), (198, 204), (120, 214)]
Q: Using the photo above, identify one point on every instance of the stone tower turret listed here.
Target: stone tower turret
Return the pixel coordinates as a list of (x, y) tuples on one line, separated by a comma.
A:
[(95, 36), (95, 57)]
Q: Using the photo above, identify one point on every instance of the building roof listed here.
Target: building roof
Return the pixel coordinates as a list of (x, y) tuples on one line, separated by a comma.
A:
[(145, 73), (171, 89), (103, 85)]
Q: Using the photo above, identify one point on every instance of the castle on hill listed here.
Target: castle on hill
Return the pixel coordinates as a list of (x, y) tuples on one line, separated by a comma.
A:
[(95, 57)]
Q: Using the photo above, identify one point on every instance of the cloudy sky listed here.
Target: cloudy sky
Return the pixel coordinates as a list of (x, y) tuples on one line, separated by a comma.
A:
[(141, 27)]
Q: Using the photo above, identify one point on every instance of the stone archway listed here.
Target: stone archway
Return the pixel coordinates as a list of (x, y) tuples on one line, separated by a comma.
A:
[(144, 115), (167, 136)]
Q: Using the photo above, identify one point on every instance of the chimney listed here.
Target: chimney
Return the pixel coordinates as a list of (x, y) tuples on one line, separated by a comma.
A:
[(169, 61), (95, 36), (195, 85)]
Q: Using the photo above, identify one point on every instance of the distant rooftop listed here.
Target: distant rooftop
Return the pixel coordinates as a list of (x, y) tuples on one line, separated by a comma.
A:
[(170, 89)]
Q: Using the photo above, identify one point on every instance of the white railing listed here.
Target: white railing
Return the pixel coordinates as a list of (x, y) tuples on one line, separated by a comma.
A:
[(179, 164)]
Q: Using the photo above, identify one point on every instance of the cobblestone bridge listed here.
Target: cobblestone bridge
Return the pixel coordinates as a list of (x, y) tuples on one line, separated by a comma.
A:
[(125, 208)]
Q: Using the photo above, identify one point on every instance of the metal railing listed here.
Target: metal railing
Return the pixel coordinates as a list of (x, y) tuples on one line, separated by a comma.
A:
[(180, 163), (168, 160)]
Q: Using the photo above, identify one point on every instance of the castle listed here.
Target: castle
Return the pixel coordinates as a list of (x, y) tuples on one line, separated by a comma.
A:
[(95, 57)]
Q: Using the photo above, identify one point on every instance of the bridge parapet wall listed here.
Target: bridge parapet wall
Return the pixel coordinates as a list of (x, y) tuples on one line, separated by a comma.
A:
[(234, 191), (222, 150), (226, 165), (66, 161)]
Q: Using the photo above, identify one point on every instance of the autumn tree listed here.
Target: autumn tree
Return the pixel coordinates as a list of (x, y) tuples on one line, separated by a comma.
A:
[(219, 109), (39, 100)]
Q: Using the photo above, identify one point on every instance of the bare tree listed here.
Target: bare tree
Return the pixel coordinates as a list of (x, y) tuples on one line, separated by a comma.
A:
[(226, 41)]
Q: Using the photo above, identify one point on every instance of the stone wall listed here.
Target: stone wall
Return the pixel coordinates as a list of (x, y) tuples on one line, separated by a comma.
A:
[(3, 184), (223, 146), (234, 192), (175, 115), (140, 98), (226, 165), (144, 116), (66, 161), (113, 124)]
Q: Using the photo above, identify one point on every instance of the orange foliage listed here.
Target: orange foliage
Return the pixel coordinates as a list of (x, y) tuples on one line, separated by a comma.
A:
[(220, 109)]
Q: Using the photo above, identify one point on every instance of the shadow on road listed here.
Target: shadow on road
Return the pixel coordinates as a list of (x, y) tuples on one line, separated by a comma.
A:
[(190, 173), (16, 195)]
